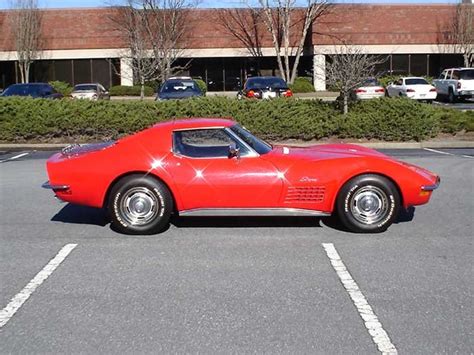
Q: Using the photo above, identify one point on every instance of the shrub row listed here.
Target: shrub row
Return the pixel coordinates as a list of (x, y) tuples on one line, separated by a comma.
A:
[(23, 119), (120, 90), (302, 84)]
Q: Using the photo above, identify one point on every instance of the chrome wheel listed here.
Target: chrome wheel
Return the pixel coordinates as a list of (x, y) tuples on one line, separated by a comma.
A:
[(369, 205), (139, 206)]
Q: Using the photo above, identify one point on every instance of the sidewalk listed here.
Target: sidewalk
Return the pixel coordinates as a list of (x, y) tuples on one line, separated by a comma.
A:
[(440, 144)]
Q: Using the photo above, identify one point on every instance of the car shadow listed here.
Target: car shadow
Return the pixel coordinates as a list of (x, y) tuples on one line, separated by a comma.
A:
[(245, 222), (76, 214)]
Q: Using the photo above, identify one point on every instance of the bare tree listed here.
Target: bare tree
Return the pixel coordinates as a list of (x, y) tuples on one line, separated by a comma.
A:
[(244, 25), (26, 29), (282, 18), (154, 33), (460, 34), (348, 68)]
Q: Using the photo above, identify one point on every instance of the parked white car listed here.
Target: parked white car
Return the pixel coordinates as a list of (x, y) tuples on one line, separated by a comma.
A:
[(90, 92), (455, 84), (369, 89), (412, 87)]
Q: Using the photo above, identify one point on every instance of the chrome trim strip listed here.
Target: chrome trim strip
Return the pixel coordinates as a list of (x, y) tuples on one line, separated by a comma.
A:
[(248, 212), (431, 187), (47, 185)]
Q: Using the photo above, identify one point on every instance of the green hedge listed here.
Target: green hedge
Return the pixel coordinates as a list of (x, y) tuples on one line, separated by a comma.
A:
[(62, 87), (39, 120), (121, 90), (302, 85)]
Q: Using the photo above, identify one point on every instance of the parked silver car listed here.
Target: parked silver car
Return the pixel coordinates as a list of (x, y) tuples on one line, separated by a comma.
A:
[(90, 92)]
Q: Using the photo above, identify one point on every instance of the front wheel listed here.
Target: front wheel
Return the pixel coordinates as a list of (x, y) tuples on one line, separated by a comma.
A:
[(368, 204), (451, 97), (140, 205)]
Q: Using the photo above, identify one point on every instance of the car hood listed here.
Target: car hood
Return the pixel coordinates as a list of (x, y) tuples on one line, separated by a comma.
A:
[(325, 151), (177, 95), (91, 92)]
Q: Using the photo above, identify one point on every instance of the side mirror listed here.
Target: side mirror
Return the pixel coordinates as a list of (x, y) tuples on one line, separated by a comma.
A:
[(234, 151)]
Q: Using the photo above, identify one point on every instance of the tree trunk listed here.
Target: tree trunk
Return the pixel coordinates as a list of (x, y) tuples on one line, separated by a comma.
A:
[(142, 88), (346, 109), (27, 72), (22, 72)]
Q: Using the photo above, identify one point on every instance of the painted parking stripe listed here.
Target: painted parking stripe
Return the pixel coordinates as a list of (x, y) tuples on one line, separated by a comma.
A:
[(7, 313), (437, 151), (14, 157), (371, 322), (446, 153)]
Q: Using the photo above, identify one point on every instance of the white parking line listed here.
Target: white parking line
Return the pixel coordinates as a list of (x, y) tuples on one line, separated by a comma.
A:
[(14, 157), (376, 331), (446, 153), (23, 295), (437, 151)]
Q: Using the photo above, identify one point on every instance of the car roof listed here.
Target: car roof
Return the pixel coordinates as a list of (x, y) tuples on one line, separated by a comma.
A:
[(197, 122), (30, 84), (413, 77), (264, 77)]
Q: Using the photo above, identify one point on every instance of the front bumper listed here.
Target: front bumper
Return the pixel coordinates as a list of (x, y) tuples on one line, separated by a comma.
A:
[(431, 187)]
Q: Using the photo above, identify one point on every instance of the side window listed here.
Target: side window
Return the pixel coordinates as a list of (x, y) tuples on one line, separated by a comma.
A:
[(455, 75), (449, 74), (204, 143), (442, 75), (399, 82)]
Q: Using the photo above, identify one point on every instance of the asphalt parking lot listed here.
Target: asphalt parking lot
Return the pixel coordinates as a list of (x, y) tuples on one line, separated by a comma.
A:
[(227, 285)]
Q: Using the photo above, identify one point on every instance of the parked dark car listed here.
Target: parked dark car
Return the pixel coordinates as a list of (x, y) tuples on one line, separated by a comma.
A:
[(265, 87), (35, 90), (178, 88)]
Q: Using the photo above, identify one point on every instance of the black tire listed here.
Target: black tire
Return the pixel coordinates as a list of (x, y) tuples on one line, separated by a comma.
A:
[(368, 204), (140, 205), (451, 97)]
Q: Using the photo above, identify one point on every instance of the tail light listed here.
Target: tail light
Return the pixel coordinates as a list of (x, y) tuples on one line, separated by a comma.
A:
[(359, 91), (410, 90), (288, 93), (458, 86), (380, 90), (250, 93), (433, 90)]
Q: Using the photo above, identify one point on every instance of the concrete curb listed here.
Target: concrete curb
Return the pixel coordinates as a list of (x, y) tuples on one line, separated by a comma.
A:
[(374, 145)]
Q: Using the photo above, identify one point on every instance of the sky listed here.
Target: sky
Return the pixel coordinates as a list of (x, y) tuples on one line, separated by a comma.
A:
[(4, 4)]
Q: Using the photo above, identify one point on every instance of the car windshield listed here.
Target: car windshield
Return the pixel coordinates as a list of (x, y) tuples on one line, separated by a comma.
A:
[(174, 86), (371, 82), (260, 146), (265, 82), (23, 90), (467, 74), (85, 88), (416, 81)]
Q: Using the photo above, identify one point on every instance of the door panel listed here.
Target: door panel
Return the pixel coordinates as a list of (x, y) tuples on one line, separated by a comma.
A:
[(247, 182)]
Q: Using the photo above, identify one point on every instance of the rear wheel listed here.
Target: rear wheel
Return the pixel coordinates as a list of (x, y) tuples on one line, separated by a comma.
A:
[(368, 204), (451, 96), (140, 205)]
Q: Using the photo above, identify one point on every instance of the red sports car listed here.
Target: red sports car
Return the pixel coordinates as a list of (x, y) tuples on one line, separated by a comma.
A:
[(216, 167)]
